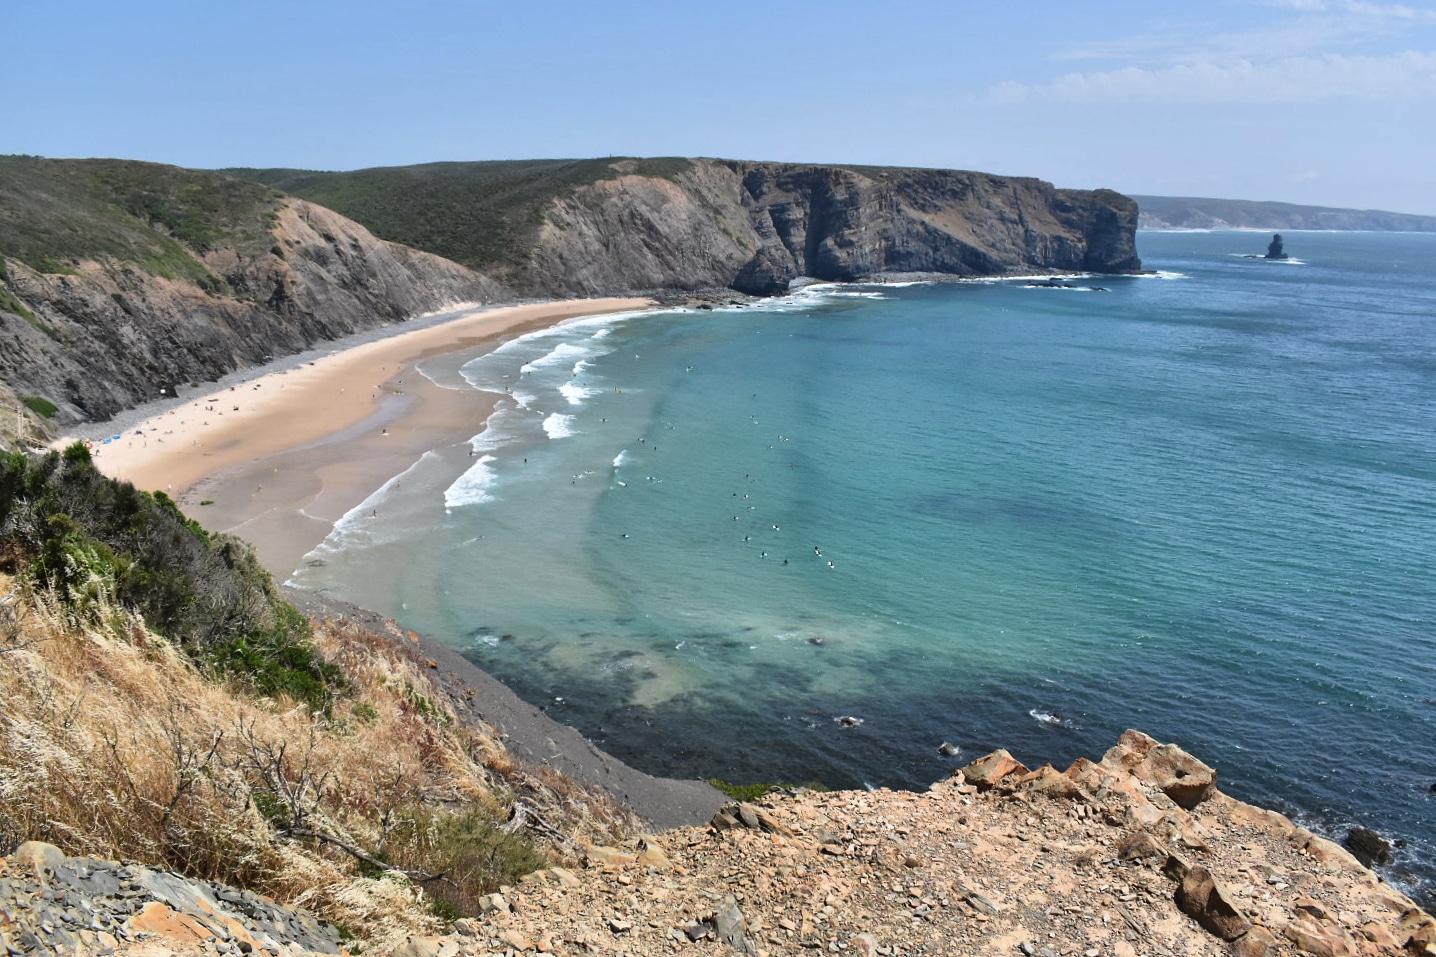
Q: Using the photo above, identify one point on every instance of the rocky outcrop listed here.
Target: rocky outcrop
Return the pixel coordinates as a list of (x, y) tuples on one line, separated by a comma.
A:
[(1020, 866), (51, 903), (1108, 864), (104, 336), (755, 227)]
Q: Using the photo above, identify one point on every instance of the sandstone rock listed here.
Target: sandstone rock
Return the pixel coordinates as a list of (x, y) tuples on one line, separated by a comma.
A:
[(493, 903), (1141, 846), (1416, 930), (599, 855), (1257, 942), (650, 854), (1204, 900), (1048, 780), (986, 771), (467, 927), (419, 947), (1176, 773), (1367, 846), (516, 939), (1316, 939)]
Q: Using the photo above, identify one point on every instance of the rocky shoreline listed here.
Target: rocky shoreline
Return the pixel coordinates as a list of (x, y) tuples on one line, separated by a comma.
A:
[(1137, 854)]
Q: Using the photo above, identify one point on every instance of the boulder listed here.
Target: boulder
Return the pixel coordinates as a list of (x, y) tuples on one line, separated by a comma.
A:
[(1141, 846), (1313, 938), (1257, 942), (1048, 780), (986, 771), (1201, 898), (1367, 846), (39, 855)]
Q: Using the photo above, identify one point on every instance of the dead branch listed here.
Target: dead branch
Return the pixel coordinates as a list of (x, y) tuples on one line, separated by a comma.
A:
[(364, 856)]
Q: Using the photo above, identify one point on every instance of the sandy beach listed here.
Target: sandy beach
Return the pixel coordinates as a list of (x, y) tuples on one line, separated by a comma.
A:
[(278, 458)]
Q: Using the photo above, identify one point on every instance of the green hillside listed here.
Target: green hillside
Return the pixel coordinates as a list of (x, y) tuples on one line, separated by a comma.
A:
[(479, 214), (55, 213)]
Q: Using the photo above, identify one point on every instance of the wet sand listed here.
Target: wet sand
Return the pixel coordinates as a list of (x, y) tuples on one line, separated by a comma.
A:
[(278, 459)]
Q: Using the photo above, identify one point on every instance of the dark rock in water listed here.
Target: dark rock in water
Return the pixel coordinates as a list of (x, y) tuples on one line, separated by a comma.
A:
[(1431, 789), (1367, 846), (1274, 250)]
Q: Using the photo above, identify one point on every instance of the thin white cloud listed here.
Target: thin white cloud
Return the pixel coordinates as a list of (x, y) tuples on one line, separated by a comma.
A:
[(1409, 75), (1392, 11)]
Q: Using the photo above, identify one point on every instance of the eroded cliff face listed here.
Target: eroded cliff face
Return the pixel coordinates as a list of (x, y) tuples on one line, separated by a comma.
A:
[(106, 336), (99, 332), (756, 226)]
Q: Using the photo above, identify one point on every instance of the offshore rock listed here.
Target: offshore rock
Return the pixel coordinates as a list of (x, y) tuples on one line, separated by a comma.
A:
[(1367, 846), (1274, 248)]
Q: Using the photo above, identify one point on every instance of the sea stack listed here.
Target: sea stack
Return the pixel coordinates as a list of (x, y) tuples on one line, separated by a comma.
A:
[(1274, 250)]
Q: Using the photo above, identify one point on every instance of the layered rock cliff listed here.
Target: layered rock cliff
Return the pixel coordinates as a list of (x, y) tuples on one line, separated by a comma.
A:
[(123, 279), (645, 225), (103, 335)]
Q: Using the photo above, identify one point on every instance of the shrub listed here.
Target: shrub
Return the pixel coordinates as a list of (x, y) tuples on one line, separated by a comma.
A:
[(41, 406), (98, 543)]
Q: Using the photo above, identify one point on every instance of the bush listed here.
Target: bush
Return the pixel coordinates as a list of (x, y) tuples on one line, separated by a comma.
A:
[(473, 853), (98, 542)]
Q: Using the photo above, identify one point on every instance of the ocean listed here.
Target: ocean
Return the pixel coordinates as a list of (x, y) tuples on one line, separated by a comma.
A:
[(816, 538)]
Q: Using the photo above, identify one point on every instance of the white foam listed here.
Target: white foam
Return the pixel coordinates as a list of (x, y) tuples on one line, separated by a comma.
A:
[(572, 390), (474, 487), (561, 354), (1051, 720), (357, 527), (620, 458), (558, 425)]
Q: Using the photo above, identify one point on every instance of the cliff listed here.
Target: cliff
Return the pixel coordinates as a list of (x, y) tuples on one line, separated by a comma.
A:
[(1186, 212), (121, 279), (589, 227), (1100, 859)]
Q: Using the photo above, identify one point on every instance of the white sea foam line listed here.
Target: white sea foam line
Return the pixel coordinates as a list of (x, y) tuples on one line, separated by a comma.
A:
[(558, 425), (349, 530), (559, 354), (473, 487)]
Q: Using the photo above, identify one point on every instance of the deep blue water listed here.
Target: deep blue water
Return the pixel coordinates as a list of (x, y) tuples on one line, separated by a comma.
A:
[(1202, 504)]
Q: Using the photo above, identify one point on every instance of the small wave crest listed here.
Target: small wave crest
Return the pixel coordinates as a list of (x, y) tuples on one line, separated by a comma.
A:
[(474, 487), (558, 425)]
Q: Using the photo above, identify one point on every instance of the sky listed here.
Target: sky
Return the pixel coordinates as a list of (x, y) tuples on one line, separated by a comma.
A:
[(1321, 102)]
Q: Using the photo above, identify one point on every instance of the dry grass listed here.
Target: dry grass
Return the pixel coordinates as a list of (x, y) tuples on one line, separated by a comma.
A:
[(113, 745)]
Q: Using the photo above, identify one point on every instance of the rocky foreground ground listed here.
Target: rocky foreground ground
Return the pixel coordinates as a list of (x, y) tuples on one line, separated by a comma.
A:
[(1138, 854)]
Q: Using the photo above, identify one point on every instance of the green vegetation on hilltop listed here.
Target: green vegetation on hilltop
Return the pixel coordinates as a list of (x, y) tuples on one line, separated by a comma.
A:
[(56, 213), (101, 546), (479, 215)]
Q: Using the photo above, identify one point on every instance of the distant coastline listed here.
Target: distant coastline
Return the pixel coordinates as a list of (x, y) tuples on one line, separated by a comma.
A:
[(1195, 213)]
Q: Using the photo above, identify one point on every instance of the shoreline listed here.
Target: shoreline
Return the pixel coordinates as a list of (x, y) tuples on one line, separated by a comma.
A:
[(277, 454)]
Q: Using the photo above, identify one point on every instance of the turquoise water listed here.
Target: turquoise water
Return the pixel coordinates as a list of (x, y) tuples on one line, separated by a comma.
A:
[(1201, 503)]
